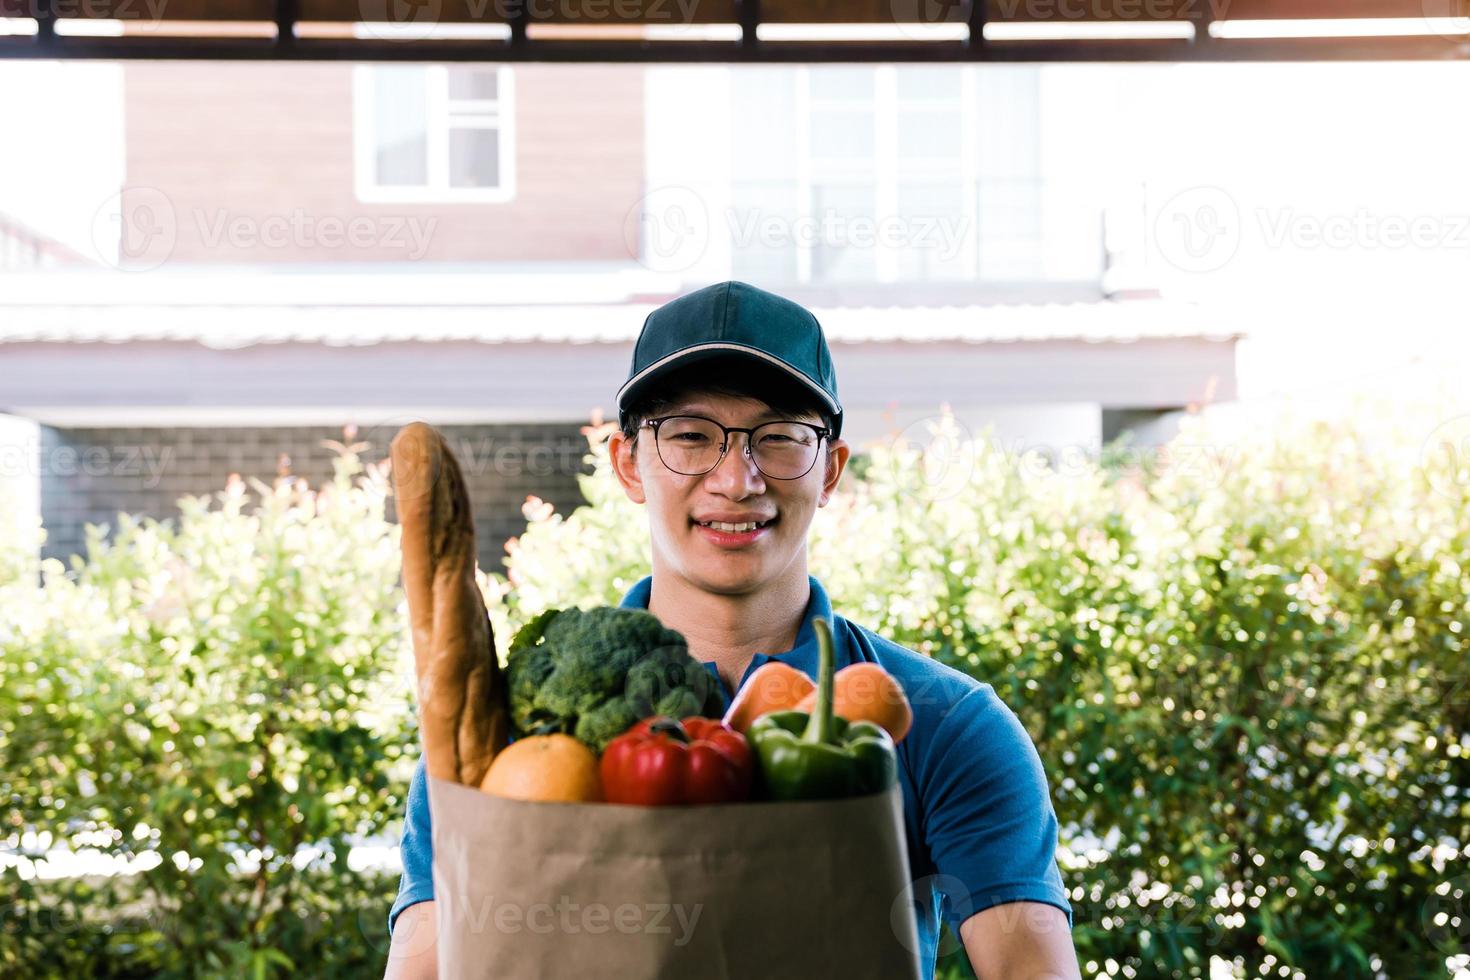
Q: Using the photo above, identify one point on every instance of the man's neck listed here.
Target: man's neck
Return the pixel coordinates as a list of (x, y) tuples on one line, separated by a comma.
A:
[(731, 629)]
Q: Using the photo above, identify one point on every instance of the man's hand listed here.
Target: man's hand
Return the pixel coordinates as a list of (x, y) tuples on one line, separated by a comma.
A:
[(414, 953), (1019, 941)]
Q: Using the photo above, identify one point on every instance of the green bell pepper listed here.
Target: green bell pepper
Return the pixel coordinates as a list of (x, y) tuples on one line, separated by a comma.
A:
[(821, 756)]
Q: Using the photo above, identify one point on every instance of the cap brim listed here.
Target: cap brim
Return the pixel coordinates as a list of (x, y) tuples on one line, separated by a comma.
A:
[(719, 350)]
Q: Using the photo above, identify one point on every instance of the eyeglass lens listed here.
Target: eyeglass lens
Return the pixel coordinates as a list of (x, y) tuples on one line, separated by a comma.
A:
[(782, 450)]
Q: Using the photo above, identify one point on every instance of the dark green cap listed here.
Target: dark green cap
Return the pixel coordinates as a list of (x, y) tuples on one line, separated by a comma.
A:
[(733, 320)]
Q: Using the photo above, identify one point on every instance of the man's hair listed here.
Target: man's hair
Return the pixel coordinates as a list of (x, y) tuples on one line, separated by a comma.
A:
[(772, 386)]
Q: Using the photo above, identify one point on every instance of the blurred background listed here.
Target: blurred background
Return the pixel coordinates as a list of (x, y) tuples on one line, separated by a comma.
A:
[(1155, 374)]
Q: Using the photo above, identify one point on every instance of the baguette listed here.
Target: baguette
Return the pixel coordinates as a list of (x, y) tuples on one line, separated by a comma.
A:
[(464, 709)]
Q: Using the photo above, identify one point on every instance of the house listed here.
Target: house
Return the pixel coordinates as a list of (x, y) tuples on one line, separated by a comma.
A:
[(478, 245)]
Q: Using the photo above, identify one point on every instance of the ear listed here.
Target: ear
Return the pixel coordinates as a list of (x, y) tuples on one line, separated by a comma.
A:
[(837, 454), (623, 455)]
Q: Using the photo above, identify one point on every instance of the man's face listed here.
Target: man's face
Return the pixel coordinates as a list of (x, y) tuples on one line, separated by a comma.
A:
[(734, 491)]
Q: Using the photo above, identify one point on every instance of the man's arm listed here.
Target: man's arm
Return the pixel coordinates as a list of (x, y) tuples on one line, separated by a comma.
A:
[(414, 952), (1020, 941)]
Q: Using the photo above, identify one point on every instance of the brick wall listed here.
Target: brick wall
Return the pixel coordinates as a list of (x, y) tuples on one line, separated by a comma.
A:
[(220, 154), (89, 474)]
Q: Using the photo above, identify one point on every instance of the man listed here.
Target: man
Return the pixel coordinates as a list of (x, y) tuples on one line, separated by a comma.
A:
[(730, 425)]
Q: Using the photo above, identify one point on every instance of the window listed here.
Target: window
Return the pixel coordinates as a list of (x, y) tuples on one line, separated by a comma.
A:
[(886, 173), (426, 133)]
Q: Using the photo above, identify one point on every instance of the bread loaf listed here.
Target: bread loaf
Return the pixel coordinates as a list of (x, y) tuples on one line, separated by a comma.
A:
[(464, 712)]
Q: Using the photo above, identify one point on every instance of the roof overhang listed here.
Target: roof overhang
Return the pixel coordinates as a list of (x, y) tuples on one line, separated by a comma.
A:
[(693, 31)]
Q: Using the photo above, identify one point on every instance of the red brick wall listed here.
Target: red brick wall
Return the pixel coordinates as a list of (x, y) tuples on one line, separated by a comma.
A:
[(256, 142)]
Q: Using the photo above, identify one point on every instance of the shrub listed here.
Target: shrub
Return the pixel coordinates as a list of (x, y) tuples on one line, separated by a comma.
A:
[(219, 703), (1246, 680)]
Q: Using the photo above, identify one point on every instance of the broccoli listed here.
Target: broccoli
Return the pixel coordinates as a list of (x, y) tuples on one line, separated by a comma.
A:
[(594, 673)]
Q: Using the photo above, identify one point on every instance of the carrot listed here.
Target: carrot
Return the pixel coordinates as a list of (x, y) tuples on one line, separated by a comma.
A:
[(773, 687), (867, 692)]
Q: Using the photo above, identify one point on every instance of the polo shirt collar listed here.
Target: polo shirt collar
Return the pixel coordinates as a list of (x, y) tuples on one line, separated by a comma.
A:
[(803, 656)]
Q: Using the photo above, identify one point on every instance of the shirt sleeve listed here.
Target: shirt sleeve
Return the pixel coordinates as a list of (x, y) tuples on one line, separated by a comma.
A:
[(416, 847), (989, 821)]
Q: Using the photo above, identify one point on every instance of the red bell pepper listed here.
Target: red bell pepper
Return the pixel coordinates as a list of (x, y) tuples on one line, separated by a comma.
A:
[(661, 762)]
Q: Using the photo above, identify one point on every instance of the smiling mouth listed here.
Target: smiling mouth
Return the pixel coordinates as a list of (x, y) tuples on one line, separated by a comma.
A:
[(736, 528)]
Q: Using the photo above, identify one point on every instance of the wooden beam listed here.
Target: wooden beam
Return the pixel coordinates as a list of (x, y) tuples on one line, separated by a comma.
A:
[(660, 12)]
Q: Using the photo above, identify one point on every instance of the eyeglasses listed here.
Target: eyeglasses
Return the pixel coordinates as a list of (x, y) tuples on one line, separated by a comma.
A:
[(692, 445)]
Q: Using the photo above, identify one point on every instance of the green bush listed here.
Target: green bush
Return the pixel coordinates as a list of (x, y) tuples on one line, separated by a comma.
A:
[(221, 703), (1242, 661)]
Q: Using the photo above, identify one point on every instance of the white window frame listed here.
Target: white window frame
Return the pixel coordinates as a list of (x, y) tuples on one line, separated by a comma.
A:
[(885, 162), (444, 114)]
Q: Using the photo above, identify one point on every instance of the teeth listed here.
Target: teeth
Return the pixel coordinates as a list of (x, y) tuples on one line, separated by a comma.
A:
[(722, 526)]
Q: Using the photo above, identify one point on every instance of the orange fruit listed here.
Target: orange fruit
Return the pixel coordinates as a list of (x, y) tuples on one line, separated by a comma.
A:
[(545, 768), (867, 692)]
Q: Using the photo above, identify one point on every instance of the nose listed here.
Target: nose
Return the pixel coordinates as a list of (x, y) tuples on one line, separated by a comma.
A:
[(735, 475)]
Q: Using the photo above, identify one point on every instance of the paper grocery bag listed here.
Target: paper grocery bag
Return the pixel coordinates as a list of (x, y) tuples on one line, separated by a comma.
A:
[(747, 890)]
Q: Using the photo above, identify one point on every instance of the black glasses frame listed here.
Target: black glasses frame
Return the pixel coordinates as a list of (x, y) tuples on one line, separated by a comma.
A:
[(823, 432)]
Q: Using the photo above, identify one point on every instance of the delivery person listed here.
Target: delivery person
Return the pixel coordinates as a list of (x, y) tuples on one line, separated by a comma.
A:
[(728, 532)]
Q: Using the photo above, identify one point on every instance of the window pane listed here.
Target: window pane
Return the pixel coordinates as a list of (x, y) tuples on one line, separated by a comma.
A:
[(400, 112), (473, 83), (935, 228), (763, 230), (845, 233), (924, 82), (849, 84), (763, 123), (841, 134), (474, 158), (1010, 228), (931, 135)]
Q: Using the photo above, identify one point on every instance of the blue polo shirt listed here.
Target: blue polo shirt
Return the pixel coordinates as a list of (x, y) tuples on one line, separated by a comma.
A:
[(977, 811)]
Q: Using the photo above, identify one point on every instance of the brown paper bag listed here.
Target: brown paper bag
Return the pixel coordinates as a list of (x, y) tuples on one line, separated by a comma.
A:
[(749, 890)]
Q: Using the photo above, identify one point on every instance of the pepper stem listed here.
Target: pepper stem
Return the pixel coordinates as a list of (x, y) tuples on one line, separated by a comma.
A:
[(663, 725), (819, 727)]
